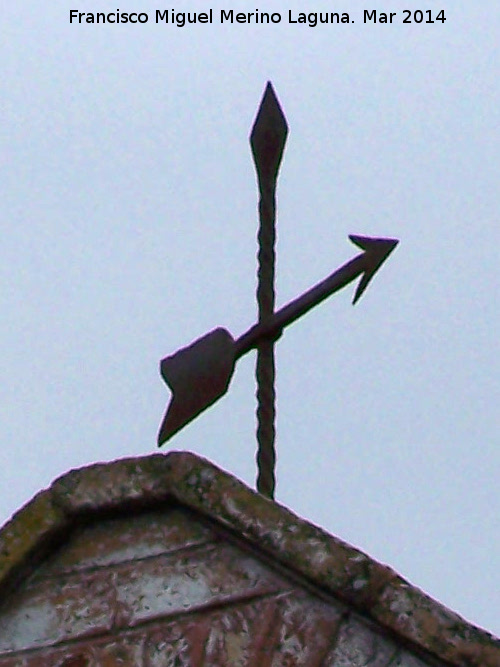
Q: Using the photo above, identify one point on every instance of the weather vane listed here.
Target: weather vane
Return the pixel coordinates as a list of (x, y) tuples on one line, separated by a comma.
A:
[(198, 375)]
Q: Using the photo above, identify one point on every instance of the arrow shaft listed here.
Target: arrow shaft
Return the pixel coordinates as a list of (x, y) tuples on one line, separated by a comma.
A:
[(291, 312)]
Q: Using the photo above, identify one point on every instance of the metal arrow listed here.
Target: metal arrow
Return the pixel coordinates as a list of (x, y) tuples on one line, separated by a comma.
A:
[(199, 374)]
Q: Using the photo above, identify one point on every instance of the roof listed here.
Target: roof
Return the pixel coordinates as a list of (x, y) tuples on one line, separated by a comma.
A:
[(324, 565)]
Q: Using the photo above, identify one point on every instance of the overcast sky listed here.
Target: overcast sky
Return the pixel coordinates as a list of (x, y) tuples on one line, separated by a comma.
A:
[(128, 229)]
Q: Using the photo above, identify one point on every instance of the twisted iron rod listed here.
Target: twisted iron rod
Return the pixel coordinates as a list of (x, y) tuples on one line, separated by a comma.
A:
[(265, 368), (267, 139)]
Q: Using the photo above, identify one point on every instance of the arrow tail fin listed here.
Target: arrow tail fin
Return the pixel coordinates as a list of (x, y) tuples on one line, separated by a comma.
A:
[(198, 375)]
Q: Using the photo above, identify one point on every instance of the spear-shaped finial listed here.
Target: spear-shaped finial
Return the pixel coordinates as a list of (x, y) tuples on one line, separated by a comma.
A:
[(267, 140)]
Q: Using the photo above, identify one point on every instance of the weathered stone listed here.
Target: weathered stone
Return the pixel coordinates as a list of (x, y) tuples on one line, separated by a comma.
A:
[(26, 537), (167, 560)]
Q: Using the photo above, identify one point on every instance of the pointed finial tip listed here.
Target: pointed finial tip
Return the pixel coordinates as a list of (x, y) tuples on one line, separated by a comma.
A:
[(268, 135)]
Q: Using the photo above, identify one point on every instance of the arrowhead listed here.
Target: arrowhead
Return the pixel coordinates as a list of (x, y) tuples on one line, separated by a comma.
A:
[(376, 252), (198, 375)]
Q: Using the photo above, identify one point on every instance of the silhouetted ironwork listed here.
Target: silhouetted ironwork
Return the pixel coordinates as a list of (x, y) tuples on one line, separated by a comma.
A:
[(199, 374), (268, 140)]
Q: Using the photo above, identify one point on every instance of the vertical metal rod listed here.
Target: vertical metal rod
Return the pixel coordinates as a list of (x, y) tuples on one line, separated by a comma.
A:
[(265, 369), (267, 139)]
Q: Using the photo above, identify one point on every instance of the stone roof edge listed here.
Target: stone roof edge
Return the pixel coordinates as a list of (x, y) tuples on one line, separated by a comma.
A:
[(372, 588)]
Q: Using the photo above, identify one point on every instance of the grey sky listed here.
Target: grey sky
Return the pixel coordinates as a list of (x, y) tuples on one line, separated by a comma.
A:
[(128, 229)]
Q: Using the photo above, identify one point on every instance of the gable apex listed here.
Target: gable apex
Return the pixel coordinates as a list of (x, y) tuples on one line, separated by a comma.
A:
[(182, 479)]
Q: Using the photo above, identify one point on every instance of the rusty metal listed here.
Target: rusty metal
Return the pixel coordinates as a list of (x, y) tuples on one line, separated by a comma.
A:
[(198, 375), (267, 139)]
